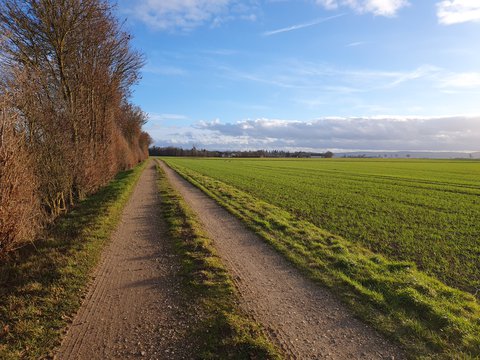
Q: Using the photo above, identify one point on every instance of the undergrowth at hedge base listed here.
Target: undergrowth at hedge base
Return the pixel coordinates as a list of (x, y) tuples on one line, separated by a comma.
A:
[(41, 285)]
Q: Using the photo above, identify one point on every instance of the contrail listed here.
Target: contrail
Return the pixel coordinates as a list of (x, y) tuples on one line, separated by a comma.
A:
[(301, 26)]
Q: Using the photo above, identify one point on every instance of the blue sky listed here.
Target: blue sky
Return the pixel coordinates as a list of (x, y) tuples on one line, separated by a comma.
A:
[(309, 74)]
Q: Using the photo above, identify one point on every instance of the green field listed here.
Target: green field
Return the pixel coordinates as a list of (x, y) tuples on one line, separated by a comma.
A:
[(417, 210), (398, 241)]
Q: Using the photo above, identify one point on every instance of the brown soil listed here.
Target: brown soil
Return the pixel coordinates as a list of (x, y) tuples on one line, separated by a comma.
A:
[(133, 307), (305, 320)]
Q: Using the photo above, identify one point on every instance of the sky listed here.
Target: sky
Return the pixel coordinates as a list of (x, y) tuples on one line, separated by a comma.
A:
[(310, 75)]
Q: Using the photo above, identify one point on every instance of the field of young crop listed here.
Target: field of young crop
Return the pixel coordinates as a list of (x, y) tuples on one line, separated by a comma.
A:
[(414, 210)]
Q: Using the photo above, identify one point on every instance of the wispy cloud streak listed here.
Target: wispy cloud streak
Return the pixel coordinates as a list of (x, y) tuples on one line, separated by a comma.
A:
[(162, 117), (301, 26), (356, 43)]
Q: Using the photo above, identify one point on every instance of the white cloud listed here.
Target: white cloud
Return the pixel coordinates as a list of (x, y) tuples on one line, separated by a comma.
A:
[(451, 12), (186, 14), (329, 4), (377, 7), (468, 80), (456, 133)]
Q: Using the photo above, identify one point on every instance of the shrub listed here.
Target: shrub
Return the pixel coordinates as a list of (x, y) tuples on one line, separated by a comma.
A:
[(19, 206)]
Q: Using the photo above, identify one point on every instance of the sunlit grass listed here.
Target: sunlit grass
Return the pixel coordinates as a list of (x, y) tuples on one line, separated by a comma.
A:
[(428, 317), (224, 332), (411, 210)]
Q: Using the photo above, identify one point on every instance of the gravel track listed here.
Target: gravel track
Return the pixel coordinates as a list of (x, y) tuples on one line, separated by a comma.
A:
[(132, 307), (303, 319)]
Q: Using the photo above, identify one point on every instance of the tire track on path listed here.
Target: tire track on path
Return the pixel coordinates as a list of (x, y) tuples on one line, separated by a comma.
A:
[(132, 309), (305, 320)]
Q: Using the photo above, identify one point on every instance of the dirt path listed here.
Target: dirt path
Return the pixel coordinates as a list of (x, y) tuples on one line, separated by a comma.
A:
[(131, 310), (305, 320)]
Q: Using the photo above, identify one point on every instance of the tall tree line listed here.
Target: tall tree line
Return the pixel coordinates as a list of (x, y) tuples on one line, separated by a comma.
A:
[(67, 126)]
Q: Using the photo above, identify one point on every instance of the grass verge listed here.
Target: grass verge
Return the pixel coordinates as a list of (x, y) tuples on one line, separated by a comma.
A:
[(223, 332), (430, 319), (41, 285)]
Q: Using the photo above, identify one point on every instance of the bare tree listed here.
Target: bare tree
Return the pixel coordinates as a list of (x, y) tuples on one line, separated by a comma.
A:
[(69, 68)]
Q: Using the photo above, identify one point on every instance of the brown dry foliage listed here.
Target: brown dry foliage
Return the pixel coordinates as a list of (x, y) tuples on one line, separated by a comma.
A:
[(19, 206), (67, 68)]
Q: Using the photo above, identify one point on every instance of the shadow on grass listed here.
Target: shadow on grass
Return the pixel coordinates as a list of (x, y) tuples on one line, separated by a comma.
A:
[(41, 284)]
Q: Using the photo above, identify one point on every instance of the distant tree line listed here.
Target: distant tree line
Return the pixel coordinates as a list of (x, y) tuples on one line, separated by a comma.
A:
[(176, 151), (66, 123)]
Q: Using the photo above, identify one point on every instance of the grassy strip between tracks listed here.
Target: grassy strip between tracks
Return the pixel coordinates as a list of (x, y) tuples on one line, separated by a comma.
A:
[(430, 319), (223, 332), (41, 285)]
